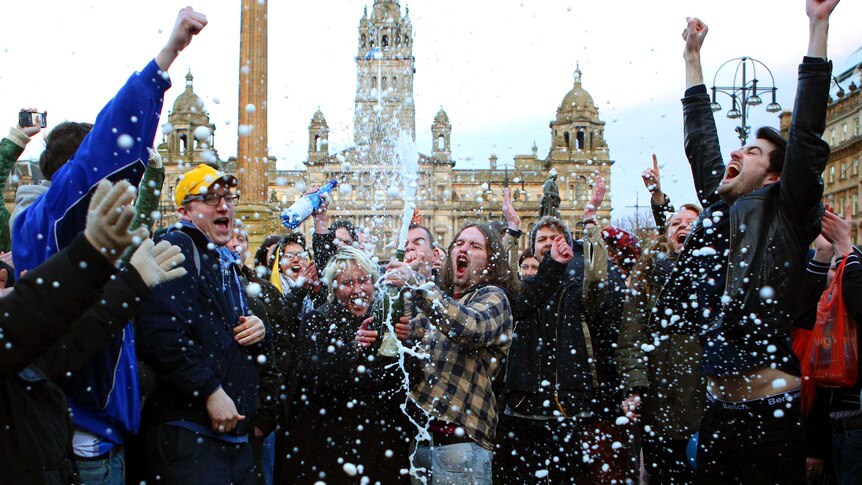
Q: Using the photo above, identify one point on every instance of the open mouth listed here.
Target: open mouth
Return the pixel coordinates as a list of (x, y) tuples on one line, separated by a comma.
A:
[(680, 238), (461, 263), (296, 268), (733, 169), (222, 223)]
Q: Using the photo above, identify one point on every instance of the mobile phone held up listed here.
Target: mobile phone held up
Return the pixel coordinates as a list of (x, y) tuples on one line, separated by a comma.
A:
[(27, 118)]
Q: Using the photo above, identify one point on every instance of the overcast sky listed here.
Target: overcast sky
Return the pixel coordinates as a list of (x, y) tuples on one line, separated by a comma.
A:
[(499, 68)]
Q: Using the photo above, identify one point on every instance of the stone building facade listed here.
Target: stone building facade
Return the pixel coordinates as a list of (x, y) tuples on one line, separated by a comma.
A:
[(369, 173)]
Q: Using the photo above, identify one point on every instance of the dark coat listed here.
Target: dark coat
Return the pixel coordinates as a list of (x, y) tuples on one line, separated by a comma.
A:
[(660, 366), (35, 426), (185, 333), (550, 350), (343, 405)]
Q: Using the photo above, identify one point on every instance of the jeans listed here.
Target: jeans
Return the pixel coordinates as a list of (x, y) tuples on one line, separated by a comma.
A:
[(460, 463), (537, 451), (110, 471), (847, 454), (264, 458)]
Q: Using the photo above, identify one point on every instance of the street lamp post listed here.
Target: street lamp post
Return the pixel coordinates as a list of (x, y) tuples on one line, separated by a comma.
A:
[(744, 94), (517, 193)]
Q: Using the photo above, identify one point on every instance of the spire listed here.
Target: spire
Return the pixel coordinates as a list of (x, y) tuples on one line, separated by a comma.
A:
[(189, 79), (578, 73)]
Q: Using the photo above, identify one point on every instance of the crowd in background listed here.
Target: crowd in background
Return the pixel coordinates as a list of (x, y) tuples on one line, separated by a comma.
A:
[(680, 354)]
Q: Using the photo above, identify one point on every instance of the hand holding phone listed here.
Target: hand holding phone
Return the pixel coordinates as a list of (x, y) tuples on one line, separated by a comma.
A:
[(30, 117)]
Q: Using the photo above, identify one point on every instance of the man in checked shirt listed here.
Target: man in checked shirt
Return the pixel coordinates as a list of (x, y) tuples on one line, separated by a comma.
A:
[(464, 324)]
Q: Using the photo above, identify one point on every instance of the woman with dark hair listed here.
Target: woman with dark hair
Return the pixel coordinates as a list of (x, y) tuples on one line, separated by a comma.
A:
[(343, 410)]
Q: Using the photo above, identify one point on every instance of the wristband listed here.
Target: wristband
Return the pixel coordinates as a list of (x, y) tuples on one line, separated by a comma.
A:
[(516, 233)]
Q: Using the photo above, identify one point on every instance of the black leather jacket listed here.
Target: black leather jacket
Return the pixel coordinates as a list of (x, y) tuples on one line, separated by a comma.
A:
[(769, 231)]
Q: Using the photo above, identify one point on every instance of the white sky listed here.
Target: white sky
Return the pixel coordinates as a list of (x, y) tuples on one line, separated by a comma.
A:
[(499, 68)]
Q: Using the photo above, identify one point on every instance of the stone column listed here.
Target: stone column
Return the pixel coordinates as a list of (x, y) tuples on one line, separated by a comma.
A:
[(252, 157)]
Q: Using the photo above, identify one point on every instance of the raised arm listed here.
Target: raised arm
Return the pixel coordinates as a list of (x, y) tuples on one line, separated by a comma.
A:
[(11, 148), (701, 137), (115, 148), (807, 152)]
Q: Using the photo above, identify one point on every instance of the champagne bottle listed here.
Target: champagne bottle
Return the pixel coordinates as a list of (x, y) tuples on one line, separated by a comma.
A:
[(297, 213), (388, 307)]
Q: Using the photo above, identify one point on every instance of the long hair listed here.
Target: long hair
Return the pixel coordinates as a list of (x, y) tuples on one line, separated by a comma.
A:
[(498, 272)]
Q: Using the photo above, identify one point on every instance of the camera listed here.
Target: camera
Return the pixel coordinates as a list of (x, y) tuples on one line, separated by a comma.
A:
[(27, 118)]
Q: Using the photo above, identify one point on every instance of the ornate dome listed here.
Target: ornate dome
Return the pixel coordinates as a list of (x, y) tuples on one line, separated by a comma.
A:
[(441, 118), (578, 103), (188, 101)]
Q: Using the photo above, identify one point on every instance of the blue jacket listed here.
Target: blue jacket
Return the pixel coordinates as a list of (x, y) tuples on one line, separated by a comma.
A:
[(103, 395), (185, 332)]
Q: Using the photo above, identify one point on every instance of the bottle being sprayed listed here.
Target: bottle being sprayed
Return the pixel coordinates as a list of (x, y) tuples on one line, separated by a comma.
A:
[(297, 213), (388, 307)]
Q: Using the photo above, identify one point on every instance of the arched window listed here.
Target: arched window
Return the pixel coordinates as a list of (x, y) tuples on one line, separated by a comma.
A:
[(373, 81), (580, 136), (384, 83), (406, 39), (385, 41), (566, 138), (184, 139), (363, 41), (318, 143), (441, 142), (394, 82)]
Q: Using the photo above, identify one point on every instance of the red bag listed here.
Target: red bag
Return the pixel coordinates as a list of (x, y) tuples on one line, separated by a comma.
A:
[(834, 354)]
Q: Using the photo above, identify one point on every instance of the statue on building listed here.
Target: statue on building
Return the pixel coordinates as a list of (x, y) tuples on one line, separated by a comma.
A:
[(551, 198)]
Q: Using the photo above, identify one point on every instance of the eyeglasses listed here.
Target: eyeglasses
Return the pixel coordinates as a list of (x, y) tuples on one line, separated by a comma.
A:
[(215, 199), (300, 255)]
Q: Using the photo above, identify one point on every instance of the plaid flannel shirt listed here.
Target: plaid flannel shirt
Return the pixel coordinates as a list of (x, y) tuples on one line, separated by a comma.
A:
[(466, 340)]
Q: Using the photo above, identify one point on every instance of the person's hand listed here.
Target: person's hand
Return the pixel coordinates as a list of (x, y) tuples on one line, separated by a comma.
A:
[(402, 329), (30, 130), (561, 252), (311, 279), (158, 263), (513, 220), (837, 230), (189, 24), (694, 35), (630, 407), (820, 9), (108, 219), (398, 273), (154, 160), (652, 181), (813, 469), (364, 336), (596, 199), (250, 331), (4, 278), (222, 411), (7, 258)]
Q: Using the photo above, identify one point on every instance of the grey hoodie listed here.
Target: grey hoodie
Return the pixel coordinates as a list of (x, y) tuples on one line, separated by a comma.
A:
[(26, 195)]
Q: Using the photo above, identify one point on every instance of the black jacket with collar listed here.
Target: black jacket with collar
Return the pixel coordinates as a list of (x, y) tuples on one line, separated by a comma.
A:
[(768, 234)]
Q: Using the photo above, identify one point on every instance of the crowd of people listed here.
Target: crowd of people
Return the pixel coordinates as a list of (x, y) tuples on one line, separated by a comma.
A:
[(594, 356)]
